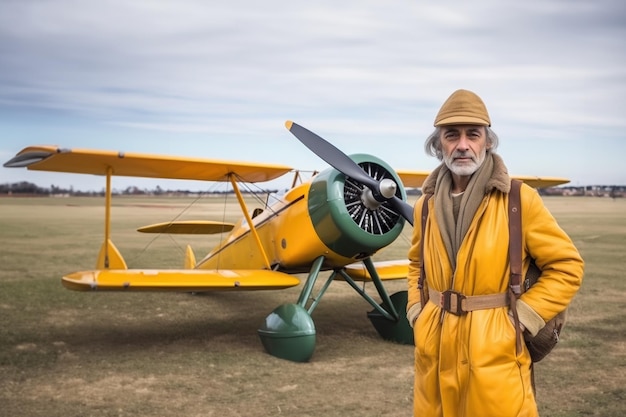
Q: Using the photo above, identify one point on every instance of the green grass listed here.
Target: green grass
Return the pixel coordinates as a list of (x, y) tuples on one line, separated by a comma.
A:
[(65, 353), (588, 371)]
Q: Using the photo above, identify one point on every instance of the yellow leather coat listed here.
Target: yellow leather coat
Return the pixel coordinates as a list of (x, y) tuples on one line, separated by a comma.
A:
[(467, 366)]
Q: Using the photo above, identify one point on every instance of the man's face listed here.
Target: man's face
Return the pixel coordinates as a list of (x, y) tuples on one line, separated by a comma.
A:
[(464, 148)]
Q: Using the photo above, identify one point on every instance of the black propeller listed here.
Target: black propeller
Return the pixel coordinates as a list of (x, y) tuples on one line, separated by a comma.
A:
[(381, 190)]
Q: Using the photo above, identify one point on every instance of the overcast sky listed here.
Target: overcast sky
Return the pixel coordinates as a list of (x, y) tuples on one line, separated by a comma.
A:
[(218, 80)]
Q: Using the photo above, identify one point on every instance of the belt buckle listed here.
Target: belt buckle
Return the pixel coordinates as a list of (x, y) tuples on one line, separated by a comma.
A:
[(446, 302)]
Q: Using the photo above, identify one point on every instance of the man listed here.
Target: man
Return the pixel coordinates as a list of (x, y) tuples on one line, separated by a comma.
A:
[(469, 363)]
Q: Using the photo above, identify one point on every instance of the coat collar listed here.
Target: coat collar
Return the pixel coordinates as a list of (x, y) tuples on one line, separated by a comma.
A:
[(499, 180)]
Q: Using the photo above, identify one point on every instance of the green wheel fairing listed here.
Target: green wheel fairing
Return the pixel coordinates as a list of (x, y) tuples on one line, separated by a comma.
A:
[(332, 221)]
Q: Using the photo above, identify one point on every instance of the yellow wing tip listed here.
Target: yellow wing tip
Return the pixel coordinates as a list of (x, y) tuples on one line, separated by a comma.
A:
[(288, 124)]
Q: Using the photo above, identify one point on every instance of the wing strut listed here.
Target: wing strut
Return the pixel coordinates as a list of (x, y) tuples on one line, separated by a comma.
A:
[(107, 212), (244, 209), (109, 256)]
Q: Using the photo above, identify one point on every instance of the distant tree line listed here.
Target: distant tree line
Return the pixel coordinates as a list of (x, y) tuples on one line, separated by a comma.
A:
[(612, 191), (25, 188)]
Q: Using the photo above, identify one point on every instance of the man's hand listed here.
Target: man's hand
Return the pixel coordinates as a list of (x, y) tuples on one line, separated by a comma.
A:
[(413, 312)]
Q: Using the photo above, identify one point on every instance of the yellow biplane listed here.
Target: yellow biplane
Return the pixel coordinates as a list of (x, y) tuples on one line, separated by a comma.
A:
[(333, 222)]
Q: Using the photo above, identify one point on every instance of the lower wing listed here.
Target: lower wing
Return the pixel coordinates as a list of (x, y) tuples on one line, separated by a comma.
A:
[(195, 280), (386, 270)]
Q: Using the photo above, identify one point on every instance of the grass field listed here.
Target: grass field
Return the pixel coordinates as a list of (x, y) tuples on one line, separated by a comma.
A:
[(65, 353)]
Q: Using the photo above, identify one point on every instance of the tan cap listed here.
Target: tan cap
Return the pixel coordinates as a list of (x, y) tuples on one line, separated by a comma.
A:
[(463, 107)]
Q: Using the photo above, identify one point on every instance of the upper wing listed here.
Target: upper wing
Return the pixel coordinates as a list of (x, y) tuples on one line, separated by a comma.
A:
[(415, 179), (539, 182), (87, 161), (178, 280), (412, 179)]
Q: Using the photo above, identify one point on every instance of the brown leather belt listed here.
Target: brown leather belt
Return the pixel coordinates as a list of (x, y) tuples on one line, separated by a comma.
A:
[(459, 304)]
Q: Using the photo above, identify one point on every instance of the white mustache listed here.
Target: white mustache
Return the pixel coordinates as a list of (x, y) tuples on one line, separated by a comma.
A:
[(458, 154)]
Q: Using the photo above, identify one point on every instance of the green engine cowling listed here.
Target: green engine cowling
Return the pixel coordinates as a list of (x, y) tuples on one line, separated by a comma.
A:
[(343, 221)]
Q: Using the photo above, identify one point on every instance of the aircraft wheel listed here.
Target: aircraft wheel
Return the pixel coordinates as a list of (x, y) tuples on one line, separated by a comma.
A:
[(289, 333), (396, 331)]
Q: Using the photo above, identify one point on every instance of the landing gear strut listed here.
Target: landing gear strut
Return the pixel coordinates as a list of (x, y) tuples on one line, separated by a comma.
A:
[(289, 331)]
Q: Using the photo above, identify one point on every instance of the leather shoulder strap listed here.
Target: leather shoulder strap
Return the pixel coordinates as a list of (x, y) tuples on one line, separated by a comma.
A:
[(515, 256), (422, 278), (515, 237)]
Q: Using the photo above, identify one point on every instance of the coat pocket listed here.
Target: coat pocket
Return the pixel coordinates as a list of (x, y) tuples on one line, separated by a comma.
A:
[(427, 333), (492, 339)]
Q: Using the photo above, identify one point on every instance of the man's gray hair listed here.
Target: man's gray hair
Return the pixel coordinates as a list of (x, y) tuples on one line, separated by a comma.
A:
[(433, 142)]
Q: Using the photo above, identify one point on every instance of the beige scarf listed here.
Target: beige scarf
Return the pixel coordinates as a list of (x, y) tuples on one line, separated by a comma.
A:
[(453, 229)]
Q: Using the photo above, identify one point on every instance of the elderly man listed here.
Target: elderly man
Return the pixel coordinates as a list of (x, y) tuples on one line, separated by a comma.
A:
[(468, 362)]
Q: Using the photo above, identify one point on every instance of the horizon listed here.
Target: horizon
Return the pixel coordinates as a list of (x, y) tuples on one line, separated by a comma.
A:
[(218, 81), (228, 189)]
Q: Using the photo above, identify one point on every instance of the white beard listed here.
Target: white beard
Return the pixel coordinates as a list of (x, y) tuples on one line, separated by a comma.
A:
[(464, 169)]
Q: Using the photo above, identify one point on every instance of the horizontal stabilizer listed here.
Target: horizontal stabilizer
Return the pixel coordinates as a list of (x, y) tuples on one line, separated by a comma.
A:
[(387, 270), (185, 280), (189, 227)]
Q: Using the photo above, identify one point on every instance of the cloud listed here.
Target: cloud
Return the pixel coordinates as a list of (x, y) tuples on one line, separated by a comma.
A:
[(369, 74)]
